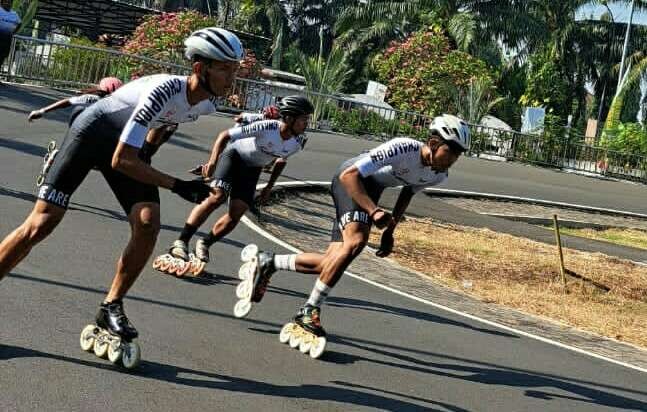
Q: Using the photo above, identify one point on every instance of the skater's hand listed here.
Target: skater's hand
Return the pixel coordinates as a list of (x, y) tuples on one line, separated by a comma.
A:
[(386, 244), (196, 170), (208, 169), (193, 190), (36, 114), (381, 218)]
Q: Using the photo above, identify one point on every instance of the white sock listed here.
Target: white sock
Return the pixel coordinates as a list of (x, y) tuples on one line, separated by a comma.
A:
[(319, 294), (285, 262)]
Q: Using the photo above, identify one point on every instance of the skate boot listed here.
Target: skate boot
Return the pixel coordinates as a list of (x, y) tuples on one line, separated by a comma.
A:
[(305, 332), (256, 271), (176, 262), (48, 159), (112, 336), (201, 257)]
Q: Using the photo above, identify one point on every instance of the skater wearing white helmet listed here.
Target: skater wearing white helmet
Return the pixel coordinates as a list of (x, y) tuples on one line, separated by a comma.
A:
[(356, 190), (109, 136)]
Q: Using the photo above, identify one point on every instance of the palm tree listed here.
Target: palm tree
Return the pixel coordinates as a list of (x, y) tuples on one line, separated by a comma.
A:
[(633, 79), (324, 75), (476, 100), (27, 11)]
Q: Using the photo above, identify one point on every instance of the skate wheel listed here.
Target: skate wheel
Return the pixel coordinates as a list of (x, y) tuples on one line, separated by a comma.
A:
[(157, 262), (114, 353), (286, 332), (101, 345), (165, 264), (131, 356), (51, 145), (318, 347), (87, 338), (295, 339), (197, 267), (40, 180), (249, 252), (182, 269), (246, 271), (242, 308), (306, 343), (244, 289)]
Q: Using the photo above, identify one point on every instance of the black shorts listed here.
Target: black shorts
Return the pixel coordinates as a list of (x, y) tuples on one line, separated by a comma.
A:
[(75, 113), (235, 178), (346, 210), (91, 142)]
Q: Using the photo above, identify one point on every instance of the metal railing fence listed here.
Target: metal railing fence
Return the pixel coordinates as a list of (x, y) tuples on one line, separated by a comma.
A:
[(73, 67)]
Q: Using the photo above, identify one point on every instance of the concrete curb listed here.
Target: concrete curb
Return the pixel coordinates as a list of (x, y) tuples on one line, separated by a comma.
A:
[(281, 186)]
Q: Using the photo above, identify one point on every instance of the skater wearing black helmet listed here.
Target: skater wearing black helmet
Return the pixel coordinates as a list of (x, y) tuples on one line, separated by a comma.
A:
[(109, 135), (356, 190), (236, 161)]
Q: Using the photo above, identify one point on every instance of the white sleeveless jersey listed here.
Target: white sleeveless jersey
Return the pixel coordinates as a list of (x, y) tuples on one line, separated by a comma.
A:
[(261, 142), (398, 163), (83, 99), (153, 101)]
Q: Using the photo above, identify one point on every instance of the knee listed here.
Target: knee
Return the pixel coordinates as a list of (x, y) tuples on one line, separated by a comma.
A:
[(38, 227), (146, 222), (216, 199), (354, 246), (236, 211), (228, 222)]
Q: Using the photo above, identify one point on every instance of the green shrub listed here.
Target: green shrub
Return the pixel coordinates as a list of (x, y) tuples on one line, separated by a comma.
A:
[(80, 66)]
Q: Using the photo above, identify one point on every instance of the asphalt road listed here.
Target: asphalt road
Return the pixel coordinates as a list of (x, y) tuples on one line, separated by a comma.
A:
[(386, 352)]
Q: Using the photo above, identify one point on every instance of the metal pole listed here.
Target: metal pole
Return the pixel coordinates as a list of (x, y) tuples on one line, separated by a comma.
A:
[(558, 239), (626, 46)]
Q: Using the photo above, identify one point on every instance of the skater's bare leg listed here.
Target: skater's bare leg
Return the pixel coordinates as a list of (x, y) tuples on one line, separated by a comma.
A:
[(227, 222), (144, 221), (201, 212), (312, 263), (355, 237), (39, 224)]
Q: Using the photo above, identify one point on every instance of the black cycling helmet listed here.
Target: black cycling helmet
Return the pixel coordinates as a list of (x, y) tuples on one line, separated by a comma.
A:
[(295, 106)]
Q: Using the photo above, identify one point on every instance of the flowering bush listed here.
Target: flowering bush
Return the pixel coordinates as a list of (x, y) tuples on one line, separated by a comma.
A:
[(422, 72), (161, 37)]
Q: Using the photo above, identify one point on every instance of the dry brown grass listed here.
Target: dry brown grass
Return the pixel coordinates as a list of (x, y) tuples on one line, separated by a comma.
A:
[(627, 237), (524, 274)]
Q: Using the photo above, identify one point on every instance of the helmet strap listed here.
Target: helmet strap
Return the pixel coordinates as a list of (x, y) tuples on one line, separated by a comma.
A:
[(203, 81)]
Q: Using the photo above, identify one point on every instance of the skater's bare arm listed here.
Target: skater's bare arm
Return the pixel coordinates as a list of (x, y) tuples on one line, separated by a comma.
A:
[(406, 194), (37, 114), (155, 136), (218, 147), (350, 179), (279, 165), (126, 160), (277, 169)]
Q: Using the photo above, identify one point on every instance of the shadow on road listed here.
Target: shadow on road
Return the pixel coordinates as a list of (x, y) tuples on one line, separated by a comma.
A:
[(23, 147), (386, 354), (340, 392)]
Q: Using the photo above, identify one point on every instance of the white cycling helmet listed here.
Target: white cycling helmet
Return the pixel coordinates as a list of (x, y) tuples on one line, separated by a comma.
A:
[(214, 43), (452, 129)]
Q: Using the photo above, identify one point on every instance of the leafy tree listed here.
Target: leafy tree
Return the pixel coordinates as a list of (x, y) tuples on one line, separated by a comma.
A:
[(26, 10), (422, 72), (161, 37), (476, 99)]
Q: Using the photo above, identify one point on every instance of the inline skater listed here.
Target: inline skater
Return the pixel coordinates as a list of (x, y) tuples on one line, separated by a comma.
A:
[(356, 189), (109, 135), (237, 168), (106, 86)]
